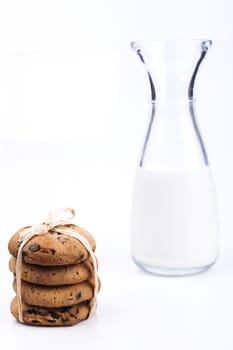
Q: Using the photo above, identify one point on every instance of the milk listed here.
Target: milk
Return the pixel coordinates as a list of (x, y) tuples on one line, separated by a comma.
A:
[(174, 225)]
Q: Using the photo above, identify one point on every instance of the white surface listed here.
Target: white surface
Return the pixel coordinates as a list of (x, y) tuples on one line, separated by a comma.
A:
[(174, 221), (135, 309), (67, 73)]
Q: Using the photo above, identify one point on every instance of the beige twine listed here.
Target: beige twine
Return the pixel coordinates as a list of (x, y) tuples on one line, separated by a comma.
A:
[(55, 219)]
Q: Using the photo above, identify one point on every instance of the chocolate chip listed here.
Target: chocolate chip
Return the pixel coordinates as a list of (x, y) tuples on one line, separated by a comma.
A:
[(51, 321), (31, 312), (65, 308), (79, 295), (34, 247), (53, 251), (54, 314), (35, 321), (19, 244), (24, 254), (81, 256)]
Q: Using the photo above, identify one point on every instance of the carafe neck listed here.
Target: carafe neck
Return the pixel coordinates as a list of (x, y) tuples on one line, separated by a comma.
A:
[(172, 67)]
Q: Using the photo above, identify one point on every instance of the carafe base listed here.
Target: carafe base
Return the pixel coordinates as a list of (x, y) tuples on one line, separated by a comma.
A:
[(172, 272)]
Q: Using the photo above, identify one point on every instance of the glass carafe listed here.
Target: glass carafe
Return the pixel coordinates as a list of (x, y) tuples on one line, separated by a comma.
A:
[(174, 221)]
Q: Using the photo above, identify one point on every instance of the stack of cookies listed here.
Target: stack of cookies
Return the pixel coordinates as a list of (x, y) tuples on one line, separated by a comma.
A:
[(57, 278)]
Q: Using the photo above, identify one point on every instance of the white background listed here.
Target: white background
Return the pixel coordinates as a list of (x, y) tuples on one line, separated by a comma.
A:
[(73, 107)]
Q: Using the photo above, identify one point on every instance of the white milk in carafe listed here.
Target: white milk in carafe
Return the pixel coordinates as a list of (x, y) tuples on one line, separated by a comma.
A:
[(174, 224)]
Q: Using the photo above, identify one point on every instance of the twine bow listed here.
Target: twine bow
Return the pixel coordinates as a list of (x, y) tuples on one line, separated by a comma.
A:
[(60, 217)]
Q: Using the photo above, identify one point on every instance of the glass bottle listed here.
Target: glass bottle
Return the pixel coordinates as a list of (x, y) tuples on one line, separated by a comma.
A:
[(174, 221)]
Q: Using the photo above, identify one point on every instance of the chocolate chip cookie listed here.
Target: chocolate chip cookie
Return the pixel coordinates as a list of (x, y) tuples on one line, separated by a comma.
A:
[(52, 248), (56, 296), (54, 275), (56, 272), (45, 316)]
